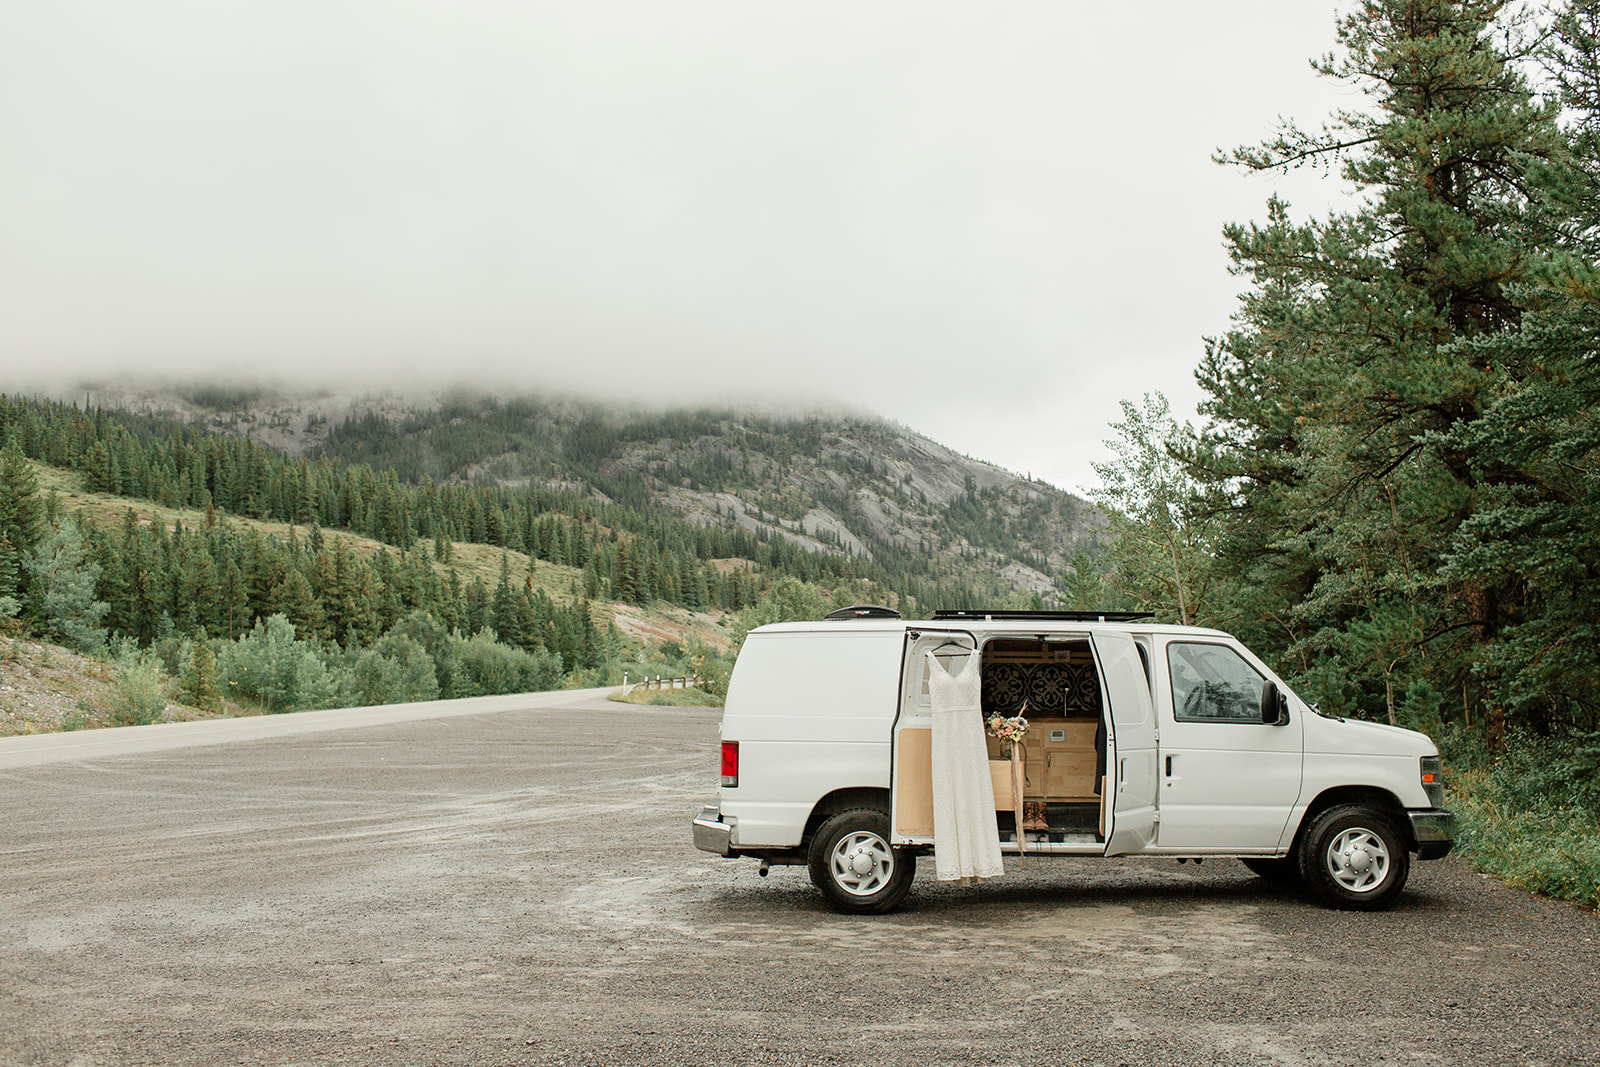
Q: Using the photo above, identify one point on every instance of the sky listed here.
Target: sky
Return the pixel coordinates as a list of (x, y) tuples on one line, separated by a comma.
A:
[(988, 222)]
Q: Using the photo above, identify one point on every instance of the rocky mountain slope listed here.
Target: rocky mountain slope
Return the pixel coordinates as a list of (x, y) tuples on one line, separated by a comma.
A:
[(830, 482)]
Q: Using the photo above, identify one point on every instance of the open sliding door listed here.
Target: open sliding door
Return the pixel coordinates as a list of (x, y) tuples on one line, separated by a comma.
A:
[(911, 815), (1131, 755)]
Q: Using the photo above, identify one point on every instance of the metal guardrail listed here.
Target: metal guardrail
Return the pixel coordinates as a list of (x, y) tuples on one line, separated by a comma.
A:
[(658, 682)]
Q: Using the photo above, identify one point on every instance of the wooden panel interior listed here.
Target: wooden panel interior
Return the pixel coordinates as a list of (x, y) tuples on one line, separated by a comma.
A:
[(914, 783), (1057, 770), (1000, 778), (1060, 758), (1013, 650)]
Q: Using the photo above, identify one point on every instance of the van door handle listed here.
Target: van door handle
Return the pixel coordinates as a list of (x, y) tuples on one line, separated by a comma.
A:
[(1169, 766)]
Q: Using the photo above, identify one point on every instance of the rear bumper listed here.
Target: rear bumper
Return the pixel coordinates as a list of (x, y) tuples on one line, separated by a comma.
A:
[(1434, 831), (711, 834)]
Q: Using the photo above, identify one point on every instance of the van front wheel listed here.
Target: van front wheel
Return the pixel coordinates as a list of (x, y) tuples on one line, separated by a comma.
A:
[(854, 865), (1352, 857)]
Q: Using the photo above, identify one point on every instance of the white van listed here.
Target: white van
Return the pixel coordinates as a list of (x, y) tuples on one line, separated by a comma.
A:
[(1143, 740)]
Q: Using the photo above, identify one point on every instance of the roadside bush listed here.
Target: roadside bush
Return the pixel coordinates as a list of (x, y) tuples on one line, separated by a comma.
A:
[(669, 698), (269, 666), (488, 667), (438, 643), (714, 669), (1531, 815), (137, 695), (396, 670)]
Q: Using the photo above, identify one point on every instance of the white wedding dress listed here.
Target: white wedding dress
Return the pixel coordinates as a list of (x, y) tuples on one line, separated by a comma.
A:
[(966, 840)]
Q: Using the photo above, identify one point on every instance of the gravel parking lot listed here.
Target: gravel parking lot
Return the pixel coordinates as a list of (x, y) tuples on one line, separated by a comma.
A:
[(514, 884)]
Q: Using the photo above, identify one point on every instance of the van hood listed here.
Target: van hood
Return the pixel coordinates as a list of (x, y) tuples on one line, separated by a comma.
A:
[(1323, 734)]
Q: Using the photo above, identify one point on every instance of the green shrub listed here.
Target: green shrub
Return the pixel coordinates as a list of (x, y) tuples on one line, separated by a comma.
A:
[(439, 643), (1531, 815), (137, 695), (488, 667), (396, 670), (790, 600), (269, 666)]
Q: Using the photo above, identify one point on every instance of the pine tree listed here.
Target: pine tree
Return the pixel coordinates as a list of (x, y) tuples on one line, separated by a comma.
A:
[(61, 589), (21, 518), (1085, 588), (1365, 340), (1534, 535), (295, 599), (477, 603), (10, 573), (233, 599), (199, 679), (503, 616), (262, 572)]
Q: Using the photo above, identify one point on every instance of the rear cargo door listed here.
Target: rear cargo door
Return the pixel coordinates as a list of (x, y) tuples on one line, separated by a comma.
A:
[(911, 815), (1131, 747)]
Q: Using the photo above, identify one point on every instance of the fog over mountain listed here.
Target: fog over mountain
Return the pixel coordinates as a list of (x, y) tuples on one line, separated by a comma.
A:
[(990, 224)]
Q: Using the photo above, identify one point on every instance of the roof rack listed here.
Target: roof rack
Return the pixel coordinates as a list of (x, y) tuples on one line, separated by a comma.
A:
[(862, 611), (1056, 616)]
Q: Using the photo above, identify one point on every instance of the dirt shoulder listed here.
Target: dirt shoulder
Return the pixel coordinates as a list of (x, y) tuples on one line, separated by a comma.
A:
[(45, 688)]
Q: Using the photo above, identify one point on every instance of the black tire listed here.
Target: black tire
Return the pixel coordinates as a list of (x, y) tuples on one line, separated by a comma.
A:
[(854, 865), (1353, 857), (1284, 871)]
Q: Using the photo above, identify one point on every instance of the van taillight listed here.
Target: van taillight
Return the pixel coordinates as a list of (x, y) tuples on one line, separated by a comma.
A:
[(730, 763)]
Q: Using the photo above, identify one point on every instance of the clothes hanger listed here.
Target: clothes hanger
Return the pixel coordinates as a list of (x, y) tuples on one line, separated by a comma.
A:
[(952, 648)]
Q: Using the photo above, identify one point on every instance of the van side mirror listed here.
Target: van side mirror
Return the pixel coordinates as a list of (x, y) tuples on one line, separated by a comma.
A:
[(1274, 705)]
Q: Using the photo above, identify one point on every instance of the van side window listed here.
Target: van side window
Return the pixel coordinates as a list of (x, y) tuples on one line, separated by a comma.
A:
[(1211, 683)]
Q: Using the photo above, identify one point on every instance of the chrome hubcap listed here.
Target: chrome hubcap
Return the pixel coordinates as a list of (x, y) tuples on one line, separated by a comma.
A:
[(1358, 860), (862, 863)]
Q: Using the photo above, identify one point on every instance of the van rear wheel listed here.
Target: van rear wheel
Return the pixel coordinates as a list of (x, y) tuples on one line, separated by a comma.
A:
[(854, 865)]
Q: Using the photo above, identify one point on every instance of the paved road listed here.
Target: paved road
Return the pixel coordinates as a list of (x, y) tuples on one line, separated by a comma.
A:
[(510, 882)]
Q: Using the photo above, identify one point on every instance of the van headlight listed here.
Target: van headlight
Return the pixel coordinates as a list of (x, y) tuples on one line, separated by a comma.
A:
[(1433, 780)]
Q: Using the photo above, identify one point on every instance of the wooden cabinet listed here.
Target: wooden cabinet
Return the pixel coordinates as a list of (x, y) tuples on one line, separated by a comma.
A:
[(1060, 759)]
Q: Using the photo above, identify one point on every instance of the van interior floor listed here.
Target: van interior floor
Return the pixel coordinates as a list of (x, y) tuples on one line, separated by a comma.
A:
[(1068, 822)]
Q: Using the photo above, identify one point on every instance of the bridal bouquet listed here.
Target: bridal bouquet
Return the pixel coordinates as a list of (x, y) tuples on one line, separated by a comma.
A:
[(1008, 731)]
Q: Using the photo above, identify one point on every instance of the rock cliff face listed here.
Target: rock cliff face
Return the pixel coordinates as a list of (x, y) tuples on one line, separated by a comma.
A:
[(866, 488), (841, 483)]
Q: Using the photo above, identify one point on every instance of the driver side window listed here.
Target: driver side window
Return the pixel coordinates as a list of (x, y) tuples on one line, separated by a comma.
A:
[(1211, 683)]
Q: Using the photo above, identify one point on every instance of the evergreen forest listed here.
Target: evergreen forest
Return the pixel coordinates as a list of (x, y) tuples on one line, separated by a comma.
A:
[(302, 582), (1395, 492)]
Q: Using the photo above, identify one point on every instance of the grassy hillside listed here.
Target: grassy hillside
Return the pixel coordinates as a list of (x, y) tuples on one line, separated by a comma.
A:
[(318, 579), (561, 583)]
